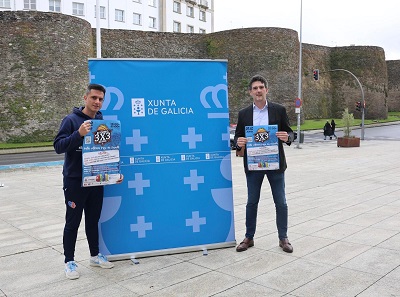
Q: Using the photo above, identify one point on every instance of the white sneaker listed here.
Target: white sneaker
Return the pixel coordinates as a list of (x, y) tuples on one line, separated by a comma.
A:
[(70, 270), (101, 261)]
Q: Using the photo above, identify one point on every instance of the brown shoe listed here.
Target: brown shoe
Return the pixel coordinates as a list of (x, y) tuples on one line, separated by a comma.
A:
[(285, 245), (245, 244)]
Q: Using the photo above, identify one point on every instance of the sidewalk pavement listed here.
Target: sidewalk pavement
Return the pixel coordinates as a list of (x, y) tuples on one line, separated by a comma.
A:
[(344, 219)]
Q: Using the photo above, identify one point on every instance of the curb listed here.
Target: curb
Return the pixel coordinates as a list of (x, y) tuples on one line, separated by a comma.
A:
[(26, 150)]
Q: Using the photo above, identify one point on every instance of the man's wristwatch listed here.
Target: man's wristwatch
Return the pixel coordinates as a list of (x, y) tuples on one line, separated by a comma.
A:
[(238, 148)]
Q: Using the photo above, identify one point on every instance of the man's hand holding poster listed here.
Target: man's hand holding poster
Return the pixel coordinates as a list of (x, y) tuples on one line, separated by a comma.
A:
[(100, 154), (262, 147)]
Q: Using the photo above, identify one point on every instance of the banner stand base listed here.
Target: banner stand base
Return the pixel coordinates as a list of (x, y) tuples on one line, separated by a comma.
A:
[(134, 256), (205, 252), (135, 261)]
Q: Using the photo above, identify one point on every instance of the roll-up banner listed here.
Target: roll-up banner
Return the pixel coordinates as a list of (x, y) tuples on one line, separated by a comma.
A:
[(175, 157)]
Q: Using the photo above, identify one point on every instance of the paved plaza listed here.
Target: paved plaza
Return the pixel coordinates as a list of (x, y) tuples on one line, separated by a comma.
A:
[(344, 225)]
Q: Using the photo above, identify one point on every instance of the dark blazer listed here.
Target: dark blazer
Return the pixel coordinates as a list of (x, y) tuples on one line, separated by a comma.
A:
[(277, 116)]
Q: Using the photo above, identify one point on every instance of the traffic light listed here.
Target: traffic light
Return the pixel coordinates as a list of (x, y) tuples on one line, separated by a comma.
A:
[(358, 106), (316, 74)]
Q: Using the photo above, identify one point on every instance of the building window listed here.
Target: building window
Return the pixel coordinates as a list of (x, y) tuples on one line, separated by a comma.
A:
[(30, 4), (177, 7), (137, 19), (202, 31), (190, 11), (119, 15), (55, 5), (152, 3), (152, 23), (190, 29), (177, 27), (202, 15), (77, 8), (102, 12), (5, 4)]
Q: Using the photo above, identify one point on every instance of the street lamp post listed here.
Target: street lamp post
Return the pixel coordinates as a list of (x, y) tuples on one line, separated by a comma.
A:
[(362, 98), (98, 36), (298, 109)]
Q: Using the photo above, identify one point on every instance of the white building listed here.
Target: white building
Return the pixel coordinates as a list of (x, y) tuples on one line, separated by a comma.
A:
[(186, 16)]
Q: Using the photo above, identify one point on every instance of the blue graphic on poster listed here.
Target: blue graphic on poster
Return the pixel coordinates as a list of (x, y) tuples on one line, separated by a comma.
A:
[(175, 156), (100, 154), (262, 147)]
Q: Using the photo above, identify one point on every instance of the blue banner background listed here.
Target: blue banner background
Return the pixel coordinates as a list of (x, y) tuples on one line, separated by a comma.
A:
[(175, 155)]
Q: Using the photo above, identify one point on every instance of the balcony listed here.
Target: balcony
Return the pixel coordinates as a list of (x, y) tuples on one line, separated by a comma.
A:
[(203, 3), (192, 1)]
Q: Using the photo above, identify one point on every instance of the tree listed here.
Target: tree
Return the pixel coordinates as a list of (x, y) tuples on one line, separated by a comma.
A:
[(348, 121)]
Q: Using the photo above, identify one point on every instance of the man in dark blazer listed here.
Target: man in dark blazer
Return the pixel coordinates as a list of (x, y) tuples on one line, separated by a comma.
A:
[(263, 112)]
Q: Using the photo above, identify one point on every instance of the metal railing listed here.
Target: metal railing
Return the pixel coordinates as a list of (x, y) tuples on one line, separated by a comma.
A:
[(203, 3), (192, 1)]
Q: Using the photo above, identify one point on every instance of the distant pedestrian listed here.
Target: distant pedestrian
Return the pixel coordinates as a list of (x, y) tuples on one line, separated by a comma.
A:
[(333, 127), (327, 130)]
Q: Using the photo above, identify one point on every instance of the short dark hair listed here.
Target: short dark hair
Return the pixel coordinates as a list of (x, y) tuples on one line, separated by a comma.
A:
[(258, 78), (95, 87)]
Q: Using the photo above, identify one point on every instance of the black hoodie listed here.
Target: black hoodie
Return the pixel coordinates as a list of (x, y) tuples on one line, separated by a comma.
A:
[(69, 141)]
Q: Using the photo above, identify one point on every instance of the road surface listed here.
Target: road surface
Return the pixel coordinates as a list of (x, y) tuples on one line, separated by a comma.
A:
[(389, 132)]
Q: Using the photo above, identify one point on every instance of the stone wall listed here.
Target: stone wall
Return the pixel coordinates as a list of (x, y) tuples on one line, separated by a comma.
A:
[(393, 70), (317, 95), (141, 44), (368, 64), (271, 52), (337, 88), (43, 72), (44, 69)]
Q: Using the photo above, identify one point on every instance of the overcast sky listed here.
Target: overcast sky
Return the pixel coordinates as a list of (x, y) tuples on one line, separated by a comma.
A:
[(324, 22)]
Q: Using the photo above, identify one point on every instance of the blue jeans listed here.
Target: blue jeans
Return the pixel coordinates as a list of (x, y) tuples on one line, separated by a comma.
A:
[(277, 183)]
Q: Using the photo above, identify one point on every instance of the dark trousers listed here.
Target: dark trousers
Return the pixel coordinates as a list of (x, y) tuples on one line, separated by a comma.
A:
[(77, 200), (277, 183)]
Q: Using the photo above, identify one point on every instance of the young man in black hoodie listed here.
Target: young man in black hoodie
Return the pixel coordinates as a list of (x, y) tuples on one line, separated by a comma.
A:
[(69, 141)]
